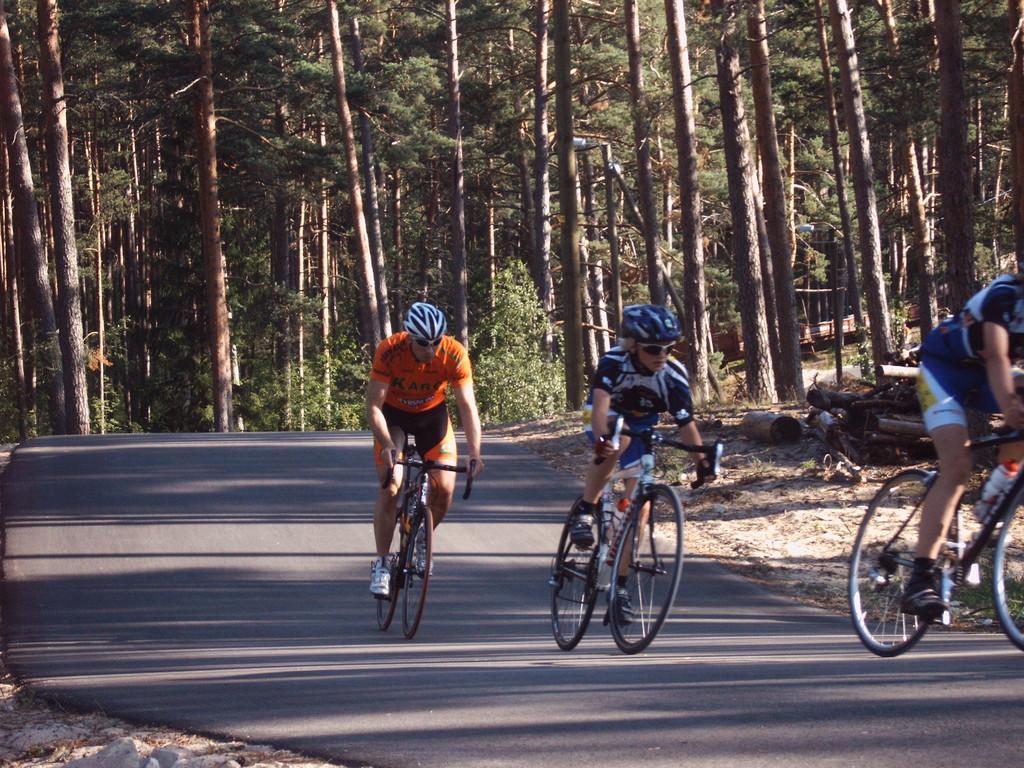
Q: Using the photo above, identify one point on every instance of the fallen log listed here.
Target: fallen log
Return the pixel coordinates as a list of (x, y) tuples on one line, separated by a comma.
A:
[(896, 371), (901, 427), (768, 427)]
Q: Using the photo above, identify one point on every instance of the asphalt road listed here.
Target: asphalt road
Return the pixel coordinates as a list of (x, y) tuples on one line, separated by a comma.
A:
[(219, 583)]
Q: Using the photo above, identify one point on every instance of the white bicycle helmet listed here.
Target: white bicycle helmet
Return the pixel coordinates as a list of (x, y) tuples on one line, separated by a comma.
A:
[(425, 322)]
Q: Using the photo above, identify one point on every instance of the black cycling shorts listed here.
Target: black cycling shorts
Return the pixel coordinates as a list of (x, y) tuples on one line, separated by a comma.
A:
[(431, 430)]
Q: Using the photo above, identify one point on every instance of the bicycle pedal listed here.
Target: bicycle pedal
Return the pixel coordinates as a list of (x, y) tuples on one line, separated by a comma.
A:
[(973, 575), (946, 619)]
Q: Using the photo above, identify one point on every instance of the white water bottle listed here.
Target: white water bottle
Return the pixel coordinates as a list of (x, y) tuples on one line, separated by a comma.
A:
[(996, 486)]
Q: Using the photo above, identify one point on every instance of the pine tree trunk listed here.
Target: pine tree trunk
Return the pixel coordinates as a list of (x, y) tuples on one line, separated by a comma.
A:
[(398, 243), (612, 235), (65, 251), (954, 156), (696, 323), (642, 145), (541, 266), (135, 302), (92, 162), (458, 245), (209, 211), (882, 345), (838, 168), (757, 356), (364, 265), (789, 378), (13, 291), (27, 231), (573, 308), (1016, 124), (924, 257), (372, 199)]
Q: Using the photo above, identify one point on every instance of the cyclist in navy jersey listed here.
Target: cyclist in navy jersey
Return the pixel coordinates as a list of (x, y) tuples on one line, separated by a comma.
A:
[(965, 363), (639, 380)]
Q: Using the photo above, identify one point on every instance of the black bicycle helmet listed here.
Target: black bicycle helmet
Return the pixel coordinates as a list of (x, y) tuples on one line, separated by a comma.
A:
[(650, 324), (425, 322)]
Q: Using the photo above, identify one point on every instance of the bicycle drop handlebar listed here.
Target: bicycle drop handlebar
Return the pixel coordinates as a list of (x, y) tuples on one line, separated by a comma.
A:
[(706, 469), (428, 465)]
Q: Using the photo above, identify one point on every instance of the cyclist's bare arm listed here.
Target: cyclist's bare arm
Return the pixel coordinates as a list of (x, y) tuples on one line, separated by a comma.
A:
[(688, 433), (996, 354), (376, 391), (465, 399)]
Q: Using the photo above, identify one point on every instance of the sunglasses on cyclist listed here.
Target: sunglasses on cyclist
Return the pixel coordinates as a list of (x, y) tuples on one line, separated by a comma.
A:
[(657, 349), (425, 343)]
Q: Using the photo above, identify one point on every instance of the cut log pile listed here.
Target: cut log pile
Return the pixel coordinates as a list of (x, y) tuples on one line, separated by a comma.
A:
[(880, 425)]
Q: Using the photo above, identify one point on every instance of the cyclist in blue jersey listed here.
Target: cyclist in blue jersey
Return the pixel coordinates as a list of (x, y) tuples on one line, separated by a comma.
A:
[(639, 380), (965, 363)]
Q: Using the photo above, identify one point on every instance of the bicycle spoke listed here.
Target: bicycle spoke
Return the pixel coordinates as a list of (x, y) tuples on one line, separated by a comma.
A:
[(881, 563), (653, 550), (418, 557), (573, 591), (1008, 580)]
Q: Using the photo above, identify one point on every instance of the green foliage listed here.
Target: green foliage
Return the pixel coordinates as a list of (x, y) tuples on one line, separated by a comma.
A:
[(512, 378), (128, 77)]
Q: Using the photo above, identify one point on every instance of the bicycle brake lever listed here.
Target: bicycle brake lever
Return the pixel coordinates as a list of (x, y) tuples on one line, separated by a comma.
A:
[(469, 478), (713, 465), (391, 469)]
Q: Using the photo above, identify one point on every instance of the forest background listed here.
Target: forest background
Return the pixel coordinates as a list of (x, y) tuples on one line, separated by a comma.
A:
[(213, 210)]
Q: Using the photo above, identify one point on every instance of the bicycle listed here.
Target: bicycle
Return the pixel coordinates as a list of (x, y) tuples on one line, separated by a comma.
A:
[(883, 557), (640, 537), (410, 570)]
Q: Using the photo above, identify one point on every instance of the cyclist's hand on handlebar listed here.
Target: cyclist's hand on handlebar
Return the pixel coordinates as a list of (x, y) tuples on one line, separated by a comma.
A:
[(1014, 415), (705, 470), (603, 448), (476, 465), (388, 455)]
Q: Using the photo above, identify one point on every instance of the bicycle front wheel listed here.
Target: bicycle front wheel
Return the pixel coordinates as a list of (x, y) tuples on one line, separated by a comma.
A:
[(573, 590), (418, 557), (650, 557), (386, 605), (1008, 578), (881, 563)]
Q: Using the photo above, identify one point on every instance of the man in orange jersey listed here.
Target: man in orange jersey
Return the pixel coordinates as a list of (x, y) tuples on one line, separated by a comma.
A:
[(412, 370)]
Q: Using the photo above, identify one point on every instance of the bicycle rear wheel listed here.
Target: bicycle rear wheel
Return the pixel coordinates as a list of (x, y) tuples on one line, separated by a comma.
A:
[(881, 563), (573, 590), (417, 571), (1008, 578), (651, 554), (386, 605)]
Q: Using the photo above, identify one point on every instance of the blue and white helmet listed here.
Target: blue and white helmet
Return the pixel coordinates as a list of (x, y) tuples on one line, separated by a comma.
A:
[(650, 324), (425, 322)]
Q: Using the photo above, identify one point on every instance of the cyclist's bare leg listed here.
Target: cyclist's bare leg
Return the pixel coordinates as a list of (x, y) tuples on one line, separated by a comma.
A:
[(951, 445), (645, 511), (439, 499), (385, 514), (598, 474)]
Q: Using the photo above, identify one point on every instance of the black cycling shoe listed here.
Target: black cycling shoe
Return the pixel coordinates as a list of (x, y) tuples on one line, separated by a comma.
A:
[(923, 601), (582, 531), (623, 607)]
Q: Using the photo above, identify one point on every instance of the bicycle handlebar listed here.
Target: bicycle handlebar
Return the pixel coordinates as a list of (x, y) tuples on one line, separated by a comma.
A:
[(428, 465), (706, 469), (999, 436)]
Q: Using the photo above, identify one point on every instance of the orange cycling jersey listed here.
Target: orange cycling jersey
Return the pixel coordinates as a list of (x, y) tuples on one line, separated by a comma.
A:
[(415, 386)]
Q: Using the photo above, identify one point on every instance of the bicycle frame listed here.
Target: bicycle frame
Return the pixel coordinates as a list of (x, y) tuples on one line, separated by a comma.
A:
[(643, 473), (967, 554)]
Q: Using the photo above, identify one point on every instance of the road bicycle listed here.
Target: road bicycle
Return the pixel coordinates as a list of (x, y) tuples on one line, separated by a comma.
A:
[(640, 537), (883, 558), (411, 566)]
